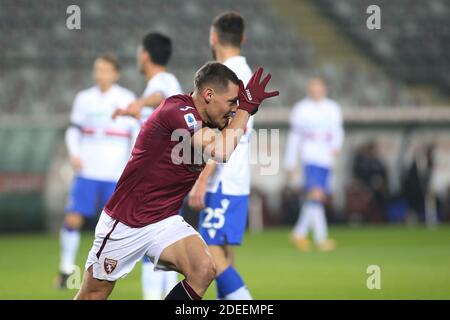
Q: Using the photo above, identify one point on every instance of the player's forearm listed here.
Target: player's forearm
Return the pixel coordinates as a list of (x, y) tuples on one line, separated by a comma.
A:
[(152, 100), (73, 138), (229, 137), (207, 172), (202, 180)]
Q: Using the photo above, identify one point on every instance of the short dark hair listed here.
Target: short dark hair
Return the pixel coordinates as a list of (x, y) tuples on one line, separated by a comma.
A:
[(112, 59), (216, 75), (158, 46), (230, 28)]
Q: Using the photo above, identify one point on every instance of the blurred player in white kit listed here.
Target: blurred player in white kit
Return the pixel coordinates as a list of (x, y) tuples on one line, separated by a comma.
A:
[(153, 56), (99, 149), (317, 134)]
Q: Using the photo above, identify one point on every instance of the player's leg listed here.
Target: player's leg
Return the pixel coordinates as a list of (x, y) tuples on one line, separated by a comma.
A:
[(189, 256), (69, 243), (230, 285), (115, 251), (307, 210), (169, 282), (301, 228), (156, 285), (81, 204), (223, 223), (317, 196), (319, 222), (91, 288), (153, 282), (94, 289)]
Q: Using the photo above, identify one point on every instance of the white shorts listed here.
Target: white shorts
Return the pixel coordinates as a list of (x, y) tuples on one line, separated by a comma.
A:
[(117, 247)]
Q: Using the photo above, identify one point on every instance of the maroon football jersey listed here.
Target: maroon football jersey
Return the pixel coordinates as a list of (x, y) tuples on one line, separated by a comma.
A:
[(152, 186)]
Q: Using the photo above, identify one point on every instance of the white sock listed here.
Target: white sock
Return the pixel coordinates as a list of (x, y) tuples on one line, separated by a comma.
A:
[(169, 282), (157, 284), (240, 294), (304, 219), (319, 223), (70, 241)]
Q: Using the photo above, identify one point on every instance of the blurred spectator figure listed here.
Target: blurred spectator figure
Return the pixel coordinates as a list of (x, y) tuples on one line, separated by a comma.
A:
[(417, 185), (367, 194), (316, 135)]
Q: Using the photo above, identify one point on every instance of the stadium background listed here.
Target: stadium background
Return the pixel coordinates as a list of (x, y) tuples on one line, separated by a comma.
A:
[(392, 83)]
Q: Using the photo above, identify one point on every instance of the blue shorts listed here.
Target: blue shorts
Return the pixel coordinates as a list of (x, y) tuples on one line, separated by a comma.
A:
[(316, 177), (87, 196), (224, 219)]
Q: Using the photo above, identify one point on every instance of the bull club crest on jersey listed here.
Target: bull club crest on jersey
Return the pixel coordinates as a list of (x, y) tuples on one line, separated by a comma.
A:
[(109, 265)]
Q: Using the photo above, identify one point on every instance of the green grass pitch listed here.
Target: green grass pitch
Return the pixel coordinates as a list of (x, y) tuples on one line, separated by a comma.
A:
[(414, 262)]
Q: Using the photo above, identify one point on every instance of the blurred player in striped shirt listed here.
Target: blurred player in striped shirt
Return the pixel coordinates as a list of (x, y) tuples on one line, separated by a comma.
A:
[(99, 148)]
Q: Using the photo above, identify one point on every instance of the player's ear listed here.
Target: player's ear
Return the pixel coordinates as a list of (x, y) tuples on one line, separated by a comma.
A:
[(243, 39), (147, 56), (207, 94), (213, 37)]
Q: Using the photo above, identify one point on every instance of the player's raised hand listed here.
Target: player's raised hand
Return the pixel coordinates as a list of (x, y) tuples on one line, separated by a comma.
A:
[(254, 94)]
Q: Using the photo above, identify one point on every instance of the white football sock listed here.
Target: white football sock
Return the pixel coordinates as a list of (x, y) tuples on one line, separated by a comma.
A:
[(304, 220), (169, 282), (240, 294), (152, 282), (319, 223), (69, 241)]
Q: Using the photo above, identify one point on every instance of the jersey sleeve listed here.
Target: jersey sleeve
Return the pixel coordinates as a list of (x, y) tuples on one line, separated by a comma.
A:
[(73, 133), (127, 98), (169, 87), (77, 116)]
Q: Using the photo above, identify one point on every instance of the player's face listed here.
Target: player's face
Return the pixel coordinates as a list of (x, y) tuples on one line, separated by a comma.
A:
[(105, 74), (317, 89), (222, 106)]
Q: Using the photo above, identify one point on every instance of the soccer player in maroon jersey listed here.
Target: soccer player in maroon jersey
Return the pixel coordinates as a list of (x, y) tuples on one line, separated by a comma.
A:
[(141, 218)]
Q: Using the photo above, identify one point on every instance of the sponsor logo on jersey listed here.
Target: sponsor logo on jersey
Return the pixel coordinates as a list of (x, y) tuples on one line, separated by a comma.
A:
[(186, 108), (190, 120), (109, 265)]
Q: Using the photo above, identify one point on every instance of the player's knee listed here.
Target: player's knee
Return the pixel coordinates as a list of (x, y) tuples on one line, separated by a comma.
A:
[(73, 221), (316, 194)]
